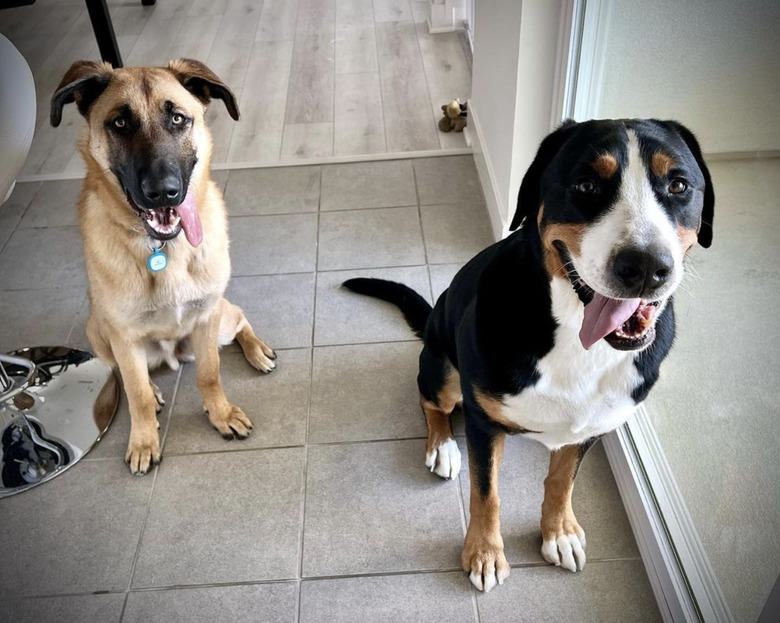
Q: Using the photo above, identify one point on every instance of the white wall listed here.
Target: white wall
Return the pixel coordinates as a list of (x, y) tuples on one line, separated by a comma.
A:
[(513, 89), (712, 64)]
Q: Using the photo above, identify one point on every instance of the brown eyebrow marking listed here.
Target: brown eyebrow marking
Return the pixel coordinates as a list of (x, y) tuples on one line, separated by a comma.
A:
[(661, 163), (606, 165)]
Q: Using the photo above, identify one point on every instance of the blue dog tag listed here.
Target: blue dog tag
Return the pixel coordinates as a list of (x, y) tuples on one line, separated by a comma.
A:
[(157, 261)]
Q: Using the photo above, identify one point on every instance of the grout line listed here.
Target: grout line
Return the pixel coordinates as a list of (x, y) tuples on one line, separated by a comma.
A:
[(151, 491), (293, 580), (84, 303), (301, 540), (143, 529), (124, 607)]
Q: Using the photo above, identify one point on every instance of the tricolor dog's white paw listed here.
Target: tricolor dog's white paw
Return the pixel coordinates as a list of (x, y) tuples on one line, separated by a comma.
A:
[(444, 459), (566, 550), (486, 565)]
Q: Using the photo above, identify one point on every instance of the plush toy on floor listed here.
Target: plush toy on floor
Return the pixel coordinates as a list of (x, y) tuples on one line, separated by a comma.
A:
[(455, 117)]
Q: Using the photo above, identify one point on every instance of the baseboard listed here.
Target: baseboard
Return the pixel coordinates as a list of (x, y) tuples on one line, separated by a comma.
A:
[(677, 565), (487, 177)]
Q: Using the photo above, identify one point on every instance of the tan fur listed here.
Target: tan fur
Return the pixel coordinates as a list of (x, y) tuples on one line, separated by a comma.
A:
[(138, 318), (557, 515), (569, 234), (688, 238), (483, 551), (606, 165), (493, 407), (661, 163), (437, 415)]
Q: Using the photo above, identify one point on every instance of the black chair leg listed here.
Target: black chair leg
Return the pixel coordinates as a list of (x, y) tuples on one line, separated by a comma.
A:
[(104, 32)]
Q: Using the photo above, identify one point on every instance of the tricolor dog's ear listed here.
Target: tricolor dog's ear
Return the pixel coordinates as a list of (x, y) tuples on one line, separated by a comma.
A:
[(203, 83), (708, 209), (529, 197), (83, 83)]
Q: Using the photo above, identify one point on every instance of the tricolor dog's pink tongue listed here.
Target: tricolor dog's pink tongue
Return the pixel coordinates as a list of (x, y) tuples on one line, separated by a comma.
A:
[(602, 316), (190, 221)]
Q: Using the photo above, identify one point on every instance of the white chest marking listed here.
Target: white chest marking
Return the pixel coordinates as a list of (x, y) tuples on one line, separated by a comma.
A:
[(580, 393)]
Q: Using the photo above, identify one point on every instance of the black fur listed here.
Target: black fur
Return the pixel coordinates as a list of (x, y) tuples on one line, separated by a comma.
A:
[(414, 307)]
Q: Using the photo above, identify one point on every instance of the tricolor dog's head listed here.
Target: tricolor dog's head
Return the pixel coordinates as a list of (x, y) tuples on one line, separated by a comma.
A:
[(618, 205), (146, 126)]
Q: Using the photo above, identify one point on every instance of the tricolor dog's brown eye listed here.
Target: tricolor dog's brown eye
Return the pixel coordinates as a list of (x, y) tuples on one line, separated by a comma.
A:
[(177, 119), (586, 187), (120, 123), (677, 187)]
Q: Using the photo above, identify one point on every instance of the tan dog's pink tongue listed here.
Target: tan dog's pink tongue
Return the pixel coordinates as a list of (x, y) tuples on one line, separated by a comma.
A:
[(190, 221), (602, 316)]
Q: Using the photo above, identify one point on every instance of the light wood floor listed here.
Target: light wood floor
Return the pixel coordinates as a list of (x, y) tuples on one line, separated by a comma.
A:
[(315, 78)]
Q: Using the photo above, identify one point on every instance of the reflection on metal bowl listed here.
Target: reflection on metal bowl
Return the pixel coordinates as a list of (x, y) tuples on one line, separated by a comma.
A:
[(55, 404)]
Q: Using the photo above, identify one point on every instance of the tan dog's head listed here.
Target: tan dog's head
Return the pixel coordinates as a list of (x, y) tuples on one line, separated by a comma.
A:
[(146, 126)]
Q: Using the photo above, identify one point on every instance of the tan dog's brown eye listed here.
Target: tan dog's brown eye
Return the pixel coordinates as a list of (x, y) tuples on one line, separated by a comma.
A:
[(177, 119), (677, 187), (586, 187), (120, 123)]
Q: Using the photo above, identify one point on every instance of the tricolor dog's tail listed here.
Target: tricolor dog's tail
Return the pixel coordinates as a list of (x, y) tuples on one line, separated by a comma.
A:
[(414, 307)]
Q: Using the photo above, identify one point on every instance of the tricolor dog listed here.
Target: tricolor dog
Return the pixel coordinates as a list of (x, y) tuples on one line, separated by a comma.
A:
[(558, 331)]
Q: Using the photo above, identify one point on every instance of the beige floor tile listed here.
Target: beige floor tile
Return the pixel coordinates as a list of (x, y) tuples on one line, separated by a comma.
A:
[(95, 533), (276, 403), (375, 507), (365, 392), (348, 239), (273, 191), (343, 317), (280, 308), (382, 184), (263, 245), (605, 592), (388, 599), (83, 608), (224, 517), (259, 603), (455, 232)]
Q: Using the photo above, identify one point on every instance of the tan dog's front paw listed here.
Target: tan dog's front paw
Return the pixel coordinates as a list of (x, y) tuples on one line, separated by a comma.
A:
[(486, 564), (261, 357), (143, 451), (231, 423), (564, 544)]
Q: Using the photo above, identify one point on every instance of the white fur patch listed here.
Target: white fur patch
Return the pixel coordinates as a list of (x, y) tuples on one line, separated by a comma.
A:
[(581, 393), (444, 460), (567, 551), (637, 220)]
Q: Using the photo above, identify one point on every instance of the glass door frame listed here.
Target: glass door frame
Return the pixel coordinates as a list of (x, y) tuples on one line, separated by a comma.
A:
[(683, 580)]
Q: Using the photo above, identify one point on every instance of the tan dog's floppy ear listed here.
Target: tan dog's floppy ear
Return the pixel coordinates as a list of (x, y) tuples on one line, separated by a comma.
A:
[(203, 83), (83, 83), (529, 197)]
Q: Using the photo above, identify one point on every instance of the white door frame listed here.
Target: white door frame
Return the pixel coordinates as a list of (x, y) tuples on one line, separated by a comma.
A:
[(683, 580)]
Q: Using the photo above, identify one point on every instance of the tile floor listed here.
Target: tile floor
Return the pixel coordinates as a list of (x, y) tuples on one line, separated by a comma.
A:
[(314, 78), (326, 513)]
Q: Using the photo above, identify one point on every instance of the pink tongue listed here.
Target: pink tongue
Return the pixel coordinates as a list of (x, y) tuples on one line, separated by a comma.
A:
[(190, 221), (603, 316)]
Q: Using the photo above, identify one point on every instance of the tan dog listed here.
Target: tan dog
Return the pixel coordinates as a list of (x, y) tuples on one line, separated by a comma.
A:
[(147, 151)]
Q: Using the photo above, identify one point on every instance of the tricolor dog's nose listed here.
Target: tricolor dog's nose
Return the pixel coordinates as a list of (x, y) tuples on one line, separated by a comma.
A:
[(642, 271), (162, 191)]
